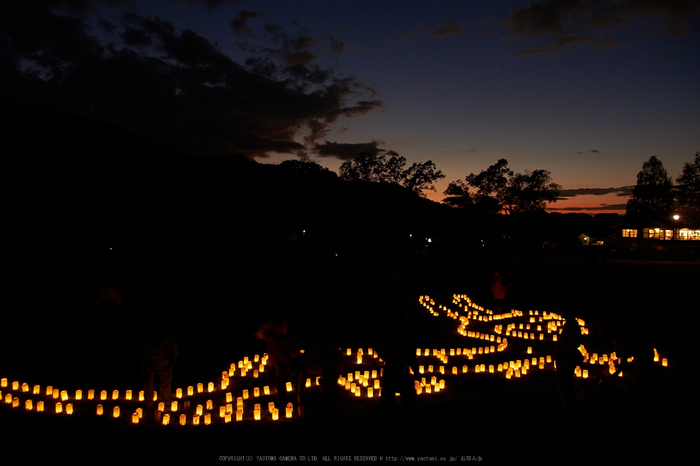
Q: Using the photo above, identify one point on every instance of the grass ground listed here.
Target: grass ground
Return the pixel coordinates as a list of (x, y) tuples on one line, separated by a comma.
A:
[(53, 334)]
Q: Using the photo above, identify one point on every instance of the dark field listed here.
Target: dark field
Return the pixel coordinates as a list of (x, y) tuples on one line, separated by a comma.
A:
[(53, 334)]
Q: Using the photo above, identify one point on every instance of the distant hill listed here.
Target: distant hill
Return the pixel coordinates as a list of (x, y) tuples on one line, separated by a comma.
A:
[(78, 187)]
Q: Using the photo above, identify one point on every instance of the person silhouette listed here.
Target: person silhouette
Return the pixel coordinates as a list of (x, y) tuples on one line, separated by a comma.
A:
[(567, 356), (281, 349), (325, 362), (157, 362)]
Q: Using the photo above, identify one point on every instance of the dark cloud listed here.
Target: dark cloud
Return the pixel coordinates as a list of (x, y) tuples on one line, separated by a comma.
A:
[(175, 86), (347, 151), (453, 28), (603, 207), (621, 191), (240, 23), (564, 23)]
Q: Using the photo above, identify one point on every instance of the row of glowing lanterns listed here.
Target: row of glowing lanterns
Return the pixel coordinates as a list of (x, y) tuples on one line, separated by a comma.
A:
[(364, 383)]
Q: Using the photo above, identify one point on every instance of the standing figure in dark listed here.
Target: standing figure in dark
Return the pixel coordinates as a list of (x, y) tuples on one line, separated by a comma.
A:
[(325, 362), (567, 357), (281, 349), (157, 364), (499, 291), (398, 351)]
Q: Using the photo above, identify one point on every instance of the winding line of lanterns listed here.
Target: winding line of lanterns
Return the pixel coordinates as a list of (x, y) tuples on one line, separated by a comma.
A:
[(215, 403)]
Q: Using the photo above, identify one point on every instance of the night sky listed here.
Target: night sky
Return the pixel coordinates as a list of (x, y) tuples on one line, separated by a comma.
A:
[(586, 89)]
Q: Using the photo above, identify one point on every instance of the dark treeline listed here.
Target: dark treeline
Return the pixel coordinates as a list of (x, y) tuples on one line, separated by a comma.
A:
[(77, 188)]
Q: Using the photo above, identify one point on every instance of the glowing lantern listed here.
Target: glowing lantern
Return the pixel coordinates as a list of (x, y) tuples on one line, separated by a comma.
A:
[(129, 395), (166, 419), (78, 395), (103, 395), (40, 406), (275, 414), (36, 390), (25, 387), (207, 419), (229, 397), (195, 420), (227, 418), (200, 387), (28, 405), (210, 387), (99, 410), (139, 411), (664, 362), (15, 385), (289, 386), (69, 408), (245, 394), (256, 392), (210, 405), (190, 390), (161, 406), (173, 405), (3, 382), (135, 418), (178, 393), (199, 410), (308, 383), (266, 389)]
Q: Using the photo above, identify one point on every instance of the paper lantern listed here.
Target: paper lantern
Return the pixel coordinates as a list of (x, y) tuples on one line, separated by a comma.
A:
[(28, 405), (78, 395), (239, 415), (40, 406), (3, 382), (275, 414), (195, 420), (173, 405), (245, 394), (289, 410), (15, 385), (227, 418), (99, 410), (256, 414), (256, 392), (210, 405), (207, 419), (266, 389), (36, 390), (229, 397), (161, 406), (135, 418), (199, 410), (59, 406), (69, 408), (178, 393), (139, 411), (103, 395), (166, 419), (376, 384), (200, 387), (128, 395), (210, 387), (289, 386), (141, 395), (664, 362), (64, 395)]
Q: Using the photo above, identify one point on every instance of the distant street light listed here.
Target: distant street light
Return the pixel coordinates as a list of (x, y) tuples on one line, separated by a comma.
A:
[(676, 217)]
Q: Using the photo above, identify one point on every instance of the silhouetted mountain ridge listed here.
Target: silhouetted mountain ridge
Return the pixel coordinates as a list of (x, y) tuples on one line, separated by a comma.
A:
[(79, 186)]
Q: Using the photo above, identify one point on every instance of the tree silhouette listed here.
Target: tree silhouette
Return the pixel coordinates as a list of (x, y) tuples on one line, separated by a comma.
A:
[(498, 189), (652, 197), (377, 169), (688, 190)]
